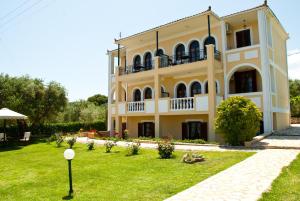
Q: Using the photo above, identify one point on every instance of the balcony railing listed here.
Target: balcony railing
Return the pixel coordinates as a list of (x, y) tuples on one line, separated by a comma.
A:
[(166, 60), (138, 106), (178, 104), (136, 68)]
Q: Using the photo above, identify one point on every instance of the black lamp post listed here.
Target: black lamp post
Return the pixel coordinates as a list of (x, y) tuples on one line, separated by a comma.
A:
[(69, 155)]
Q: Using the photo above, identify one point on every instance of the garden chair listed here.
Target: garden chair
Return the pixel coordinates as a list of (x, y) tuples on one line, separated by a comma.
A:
[(2, 137), (26, 137)]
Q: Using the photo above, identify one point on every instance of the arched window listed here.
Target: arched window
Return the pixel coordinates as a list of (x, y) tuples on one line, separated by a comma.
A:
[(206, 87), (179, 52), (195, 89), (137, 62), (194, 51), (207, 41), (181, 91), (137, 95), (159, 52), (148, 93), (148, 61)]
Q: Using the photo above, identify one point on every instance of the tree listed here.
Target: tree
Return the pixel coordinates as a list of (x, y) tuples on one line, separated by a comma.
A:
[(238, 119), (32, 97), (294, 88), (98, 99)]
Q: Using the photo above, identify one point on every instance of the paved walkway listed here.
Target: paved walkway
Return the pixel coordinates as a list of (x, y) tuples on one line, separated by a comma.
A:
[(177, 147), (245, 181)]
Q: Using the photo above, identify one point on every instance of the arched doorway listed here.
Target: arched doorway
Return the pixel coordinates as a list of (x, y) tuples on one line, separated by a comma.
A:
[(148, 93), (137, 96), (179, 52), (195, 88), (148, 61), (181, 91), (194, 51), (245, 79)]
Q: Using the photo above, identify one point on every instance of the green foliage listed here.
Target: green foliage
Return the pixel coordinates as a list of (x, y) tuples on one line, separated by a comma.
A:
[(191, 158), (90, 145), (294, 88), (98, 99), (125, 134), (295, 106), (59, 139), (133, 148), (238, 119), (70, 140), (49, 129), (82, 111), (165, 149), (39, 101), (108, 146), (195, 141)]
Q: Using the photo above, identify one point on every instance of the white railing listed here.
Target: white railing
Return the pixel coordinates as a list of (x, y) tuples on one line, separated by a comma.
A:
[(178, 104), (136, 106)]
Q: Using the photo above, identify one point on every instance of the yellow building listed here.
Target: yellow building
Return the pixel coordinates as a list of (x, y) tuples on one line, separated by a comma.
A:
[(169, 80)]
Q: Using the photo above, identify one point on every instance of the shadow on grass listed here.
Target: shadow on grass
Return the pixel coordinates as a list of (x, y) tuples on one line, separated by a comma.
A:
[(67, 197), (16, 145)]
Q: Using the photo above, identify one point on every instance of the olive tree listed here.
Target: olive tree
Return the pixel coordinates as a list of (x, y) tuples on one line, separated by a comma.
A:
[(238, 120)]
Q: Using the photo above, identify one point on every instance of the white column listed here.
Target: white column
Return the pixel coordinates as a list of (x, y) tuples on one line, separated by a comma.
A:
[(265, 66), (224, 59), (110, 68)]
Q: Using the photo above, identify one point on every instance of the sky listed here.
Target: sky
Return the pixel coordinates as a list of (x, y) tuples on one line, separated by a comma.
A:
[(67, 40)]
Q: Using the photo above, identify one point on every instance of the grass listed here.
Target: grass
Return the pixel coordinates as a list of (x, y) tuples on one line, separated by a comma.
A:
[(287, 186), (39, 172)]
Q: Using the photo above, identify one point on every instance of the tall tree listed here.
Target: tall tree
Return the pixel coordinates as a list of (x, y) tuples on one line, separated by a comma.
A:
[(98, 99), (32, 97)]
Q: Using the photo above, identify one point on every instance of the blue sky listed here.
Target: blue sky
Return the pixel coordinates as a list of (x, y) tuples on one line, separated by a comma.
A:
[(66, 40)]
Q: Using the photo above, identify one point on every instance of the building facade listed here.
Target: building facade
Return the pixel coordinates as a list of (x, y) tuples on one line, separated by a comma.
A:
[(169, 80)]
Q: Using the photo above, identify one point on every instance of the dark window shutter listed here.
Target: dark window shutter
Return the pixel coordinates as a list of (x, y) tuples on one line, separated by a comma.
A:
[(184, 130), (203, 133), (140, 130), (152, 130)]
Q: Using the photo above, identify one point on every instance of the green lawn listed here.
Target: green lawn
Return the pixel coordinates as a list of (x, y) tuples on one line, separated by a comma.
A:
[(287, 186), (39, 172)]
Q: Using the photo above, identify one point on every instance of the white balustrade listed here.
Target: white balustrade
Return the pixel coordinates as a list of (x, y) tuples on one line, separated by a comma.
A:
[(138, 106), (178, 104)]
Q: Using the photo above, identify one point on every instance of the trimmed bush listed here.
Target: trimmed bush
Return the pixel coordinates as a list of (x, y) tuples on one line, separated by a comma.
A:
[(70, 140), (109, 145), (165, 149), (133, 148), (90, 145), (238, 120)]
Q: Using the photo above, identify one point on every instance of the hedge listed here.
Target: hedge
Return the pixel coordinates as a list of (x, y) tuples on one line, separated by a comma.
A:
[(45, 130)]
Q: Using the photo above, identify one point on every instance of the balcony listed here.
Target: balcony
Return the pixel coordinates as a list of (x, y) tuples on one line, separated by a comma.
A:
[(182, 104), (136, 68), (136, 106), (186, 58)]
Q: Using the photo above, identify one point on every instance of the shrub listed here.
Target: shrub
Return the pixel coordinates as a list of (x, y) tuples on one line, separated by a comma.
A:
[(191, 158), (125, 135), (90, 145), (165, 149), (50, 139), (133, 148), (70, 140), (109, 145), (238, 120), (295, 106), (59, 139), (195, 141)]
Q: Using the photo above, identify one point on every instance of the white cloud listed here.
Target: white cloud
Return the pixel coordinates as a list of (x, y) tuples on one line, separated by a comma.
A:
[(294, 64)]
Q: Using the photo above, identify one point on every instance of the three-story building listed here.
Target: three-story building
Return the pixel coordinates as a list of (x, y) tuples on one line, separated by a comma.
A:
[(169, 80)]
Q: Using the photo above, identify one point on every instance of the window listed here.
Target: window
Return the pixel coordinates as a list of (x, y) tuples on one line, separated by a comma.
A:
[(207, 41), (206, 87), (245, 81), (148, 93), (137, 61), (137, 95), (243, 38), (194, 51), (181, 91), (195, 89), (146, 129), (179, 52), (148, 61), (159, 52), (194, 130)]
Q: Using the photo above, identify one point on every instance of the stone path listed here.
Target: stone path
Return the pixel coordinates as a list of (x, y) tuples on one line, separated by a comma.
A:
[(177, 147), (245, 181)]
